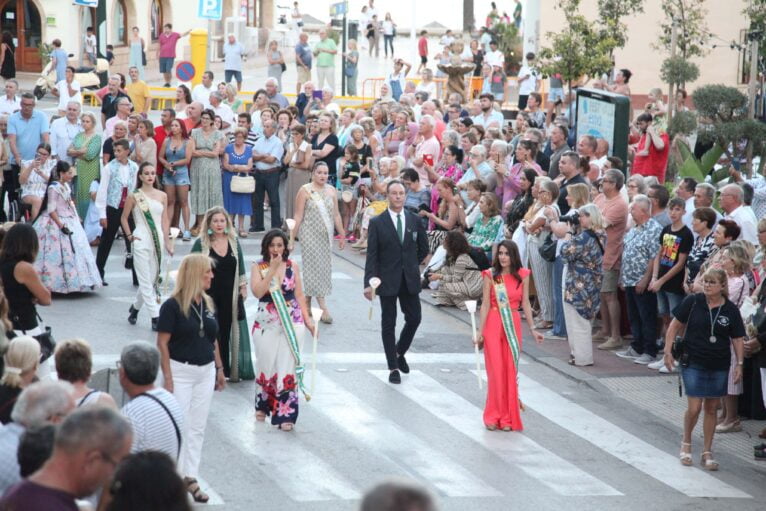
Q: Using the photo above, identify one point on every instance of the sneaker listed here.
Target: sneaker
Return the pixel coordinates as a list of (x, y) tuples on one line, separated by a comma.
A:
[(611, 344), (187, 236), (628, 353), (645, 359), (664, 370), (657, 364)]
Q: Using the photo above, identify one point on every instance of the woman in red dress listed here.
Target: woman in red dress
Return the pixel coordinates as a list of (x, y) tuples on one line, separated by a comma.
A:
[(506, 287)]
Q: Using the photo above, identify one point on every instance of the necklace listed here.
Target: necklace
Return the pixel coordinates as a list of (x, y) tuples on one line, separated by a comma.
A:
[(712, 322), (201, 322)]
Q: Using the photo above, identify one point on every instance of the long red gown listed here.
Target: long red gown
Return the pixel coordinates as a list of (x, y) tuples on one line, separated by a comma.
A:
[(502, 407)]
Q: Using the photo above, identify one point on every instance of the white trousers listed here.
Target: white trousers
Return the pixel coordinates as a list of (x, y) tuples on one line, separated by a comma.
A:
[(326, 73), (193, 388), (579, 334), (145, 264)]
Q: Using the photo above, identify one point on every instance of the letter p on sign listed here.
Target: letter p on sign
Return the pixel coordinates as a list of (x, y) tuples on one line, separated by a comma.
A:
[(210, 9)]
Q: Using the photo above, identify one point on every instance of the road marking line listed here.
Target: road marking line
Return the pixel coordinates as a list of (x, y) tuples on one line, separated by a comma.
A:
[(624, 446), (302, 476), (383, 436), (515, 449)]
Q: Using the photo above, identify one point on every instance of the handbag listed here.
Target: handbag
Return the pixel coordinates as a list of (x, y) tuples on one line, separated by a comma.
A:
[(128, 261), (46, 340), (548, 248), (242, 184), (283, 66), (350, 70), (678, 350)]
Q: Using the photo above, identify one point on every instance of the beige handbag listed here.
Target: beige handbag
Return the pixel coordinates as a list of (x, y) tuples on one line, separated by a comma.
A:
[(242, 183)]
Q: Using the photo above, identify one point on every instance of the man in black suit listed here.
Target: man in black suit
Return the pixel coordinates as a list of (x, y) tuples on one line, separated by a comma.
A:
[(396, 244)]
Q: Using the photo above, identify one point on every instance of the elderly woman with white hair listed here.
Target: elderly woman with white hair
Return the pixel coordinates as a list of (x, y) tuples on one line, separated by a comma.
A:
[(20, 367), (476, 168), (582, 250), (276, 62)]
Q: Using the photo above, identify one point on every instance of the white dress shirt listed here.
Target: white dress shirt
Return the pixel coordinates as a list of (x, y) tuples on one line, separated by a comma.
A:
[(64, 96), (62, 135), (9, 106), (746, 220), (404, 221), (202, 94)]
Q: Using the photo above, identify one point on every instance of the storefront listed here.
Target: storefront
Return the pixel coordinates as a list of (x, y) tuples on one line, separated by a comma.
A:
[(22, 18)]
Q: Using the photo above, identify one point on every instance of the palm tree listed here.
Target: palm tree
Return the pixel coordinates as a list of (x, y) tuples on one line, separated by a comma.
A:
[(468, 18)]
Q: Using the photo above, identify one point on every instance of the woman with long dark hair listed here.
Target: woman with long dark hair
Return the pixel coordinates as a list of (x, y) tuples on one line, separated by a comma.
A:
[(280, 325), (7, 56), (506, 287), (460, 278), (147, 205), (65, 262), (183, 100), (21, 283), (147, 480)]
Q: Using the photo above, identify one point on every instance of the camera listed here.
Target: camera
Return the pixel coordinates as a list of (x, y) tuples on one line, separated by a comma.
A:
[(573, 219)]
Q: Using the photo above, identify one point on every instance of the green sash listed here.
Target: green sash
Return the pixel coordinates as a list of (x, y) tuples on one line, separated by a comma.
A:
[(275, 289), (506, 315), (142, 201)]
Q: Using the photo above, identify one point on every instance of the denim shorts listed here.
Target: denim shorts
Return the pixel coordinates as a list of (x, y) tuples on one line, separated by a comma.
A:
[(181, 178), (667, 302), (702, 382), (166, 64), (555, 95), (230, 73)]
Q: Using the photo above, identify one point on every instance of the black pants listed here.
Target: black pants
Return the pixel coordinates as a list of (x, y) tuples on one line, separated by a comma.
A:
[(113, 216), (266, 183), (410, 305), (10, 187), (523, 101)]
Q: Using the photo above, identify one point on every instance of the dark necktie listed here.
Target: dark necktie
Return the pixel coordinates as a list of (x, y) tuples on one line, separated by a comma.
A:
[(399, 229)]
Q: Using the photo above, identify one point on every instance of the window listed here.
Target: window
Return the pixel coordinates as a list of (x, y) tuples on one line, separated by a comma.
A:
[(157, 19), (120, 24)]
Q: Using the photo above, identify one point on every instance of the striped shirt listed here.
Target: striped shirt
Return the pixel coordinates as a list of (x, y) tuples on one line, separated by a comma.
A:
[(152, 427)]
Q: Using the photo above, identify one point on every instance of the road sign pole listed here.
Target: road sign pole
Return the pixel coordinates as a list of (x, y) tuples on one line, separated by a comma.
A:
[(343, 67)]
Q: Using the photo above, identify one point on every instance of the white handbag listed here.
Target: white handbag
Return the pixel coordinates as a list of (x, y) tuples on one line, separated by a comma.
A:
[(242, 184)]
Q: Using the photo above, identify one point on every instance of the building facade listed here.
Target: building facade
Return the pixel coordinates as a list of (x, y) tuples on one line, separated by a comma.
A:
[(32, 22)]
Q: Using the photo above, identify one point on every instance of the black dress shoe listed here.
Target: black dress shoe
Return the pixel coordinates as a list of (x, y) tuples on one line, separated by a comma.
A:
[(394, 377), (402, 363), (104, 283), (155, 324), (133, 315)]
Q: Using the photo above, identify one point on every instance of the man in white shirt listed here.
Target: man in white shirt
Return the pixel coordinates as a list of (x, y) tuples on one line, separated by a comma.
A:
[(10, 103), (67, 90), (63, 131), (488, 116), (527, 80), (732, 203), (201, 91), (152, 411), (427, 148), (494, 56), (233, 52), (223, 111), (447, 40), (685, 191), (759, 191)]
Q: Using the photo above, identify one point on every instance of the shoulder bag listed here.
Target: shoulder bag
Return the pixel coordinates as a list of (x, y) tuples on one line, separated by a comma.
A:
[(242, 183), (678, 350), (548, 248), (175, 425)]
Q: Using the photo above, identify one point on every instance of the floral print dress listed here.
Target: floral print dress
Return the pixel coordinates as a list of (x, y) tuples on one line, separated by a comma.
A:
[(276, 390)]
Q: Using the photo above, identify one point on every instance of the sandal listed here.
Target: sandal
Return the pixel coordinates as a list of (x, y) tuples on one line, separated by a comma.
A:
[(730, 427), (286, 426), (686, 457), (192, 486), (491, 427), (326, 318), (507, 428), (243, 234), (260, 416), (708, 463)]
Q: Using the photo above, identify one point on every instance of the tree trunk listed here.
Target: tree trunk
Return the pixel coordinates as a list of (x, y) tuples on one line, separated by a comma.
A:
[(468, 20)]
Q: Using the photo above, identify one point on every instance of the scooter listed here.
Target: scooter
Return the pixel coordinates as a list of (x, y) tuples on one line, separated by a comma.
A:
[(87, 77)]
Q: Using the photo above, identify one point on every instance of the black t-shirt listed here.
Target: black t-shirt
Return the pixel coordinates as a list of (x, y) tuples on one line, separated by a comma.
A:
[(330, 159), (8, 397), (672, 245), (693, 311), (185, 343), (109, 104), (351, 170)]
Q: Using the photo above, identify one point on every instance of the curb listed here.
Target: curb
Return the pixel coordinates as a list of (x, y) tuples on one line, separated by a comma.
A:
[(561, 367)]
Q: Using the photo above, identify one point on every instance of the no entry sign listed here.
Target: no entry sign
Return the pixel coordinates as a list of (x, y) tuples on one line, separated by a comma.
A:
[(185, 71)]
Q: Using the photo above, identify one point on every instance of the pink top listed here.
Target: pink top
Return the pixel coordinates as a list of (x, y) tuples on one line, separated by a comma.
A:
[(432, 147), (168, 44)]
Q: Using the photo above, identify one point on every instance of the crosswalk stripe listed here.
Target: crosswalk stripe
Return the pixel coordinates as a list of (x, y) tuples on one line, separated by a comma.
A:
[(517, 450), (301, 475), (389, 440), (624, 446)]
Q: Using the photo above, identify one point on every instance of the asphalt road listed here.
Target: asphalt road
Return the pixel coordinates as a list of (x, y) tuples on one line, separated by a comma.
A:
[(582, 448)]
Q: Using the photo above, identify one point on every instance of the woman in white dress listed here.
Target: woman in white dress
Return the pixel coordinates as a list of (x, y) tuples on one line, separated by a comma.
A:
[(149, 239), (34, 177)]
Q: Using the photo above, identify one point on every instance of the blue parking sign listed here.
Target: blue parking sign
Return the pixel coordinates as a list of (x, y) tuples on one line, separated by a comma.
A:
[(210, 9)]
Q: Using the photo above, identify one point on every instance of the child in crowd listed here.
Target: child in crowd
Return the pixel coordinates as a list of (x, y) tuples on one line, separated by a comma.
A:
[(351, 174)]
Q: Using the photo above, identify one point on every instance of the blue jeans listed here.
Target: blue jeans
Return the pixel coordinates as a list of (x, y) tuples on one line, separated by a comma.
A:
[(642, 313), (388, 40), (559, 325), (266, 183)]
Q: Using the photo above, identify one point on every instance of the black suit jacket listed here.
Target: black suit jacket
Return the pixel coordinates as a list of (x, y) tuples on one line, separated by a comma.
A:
[(388, 259)]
